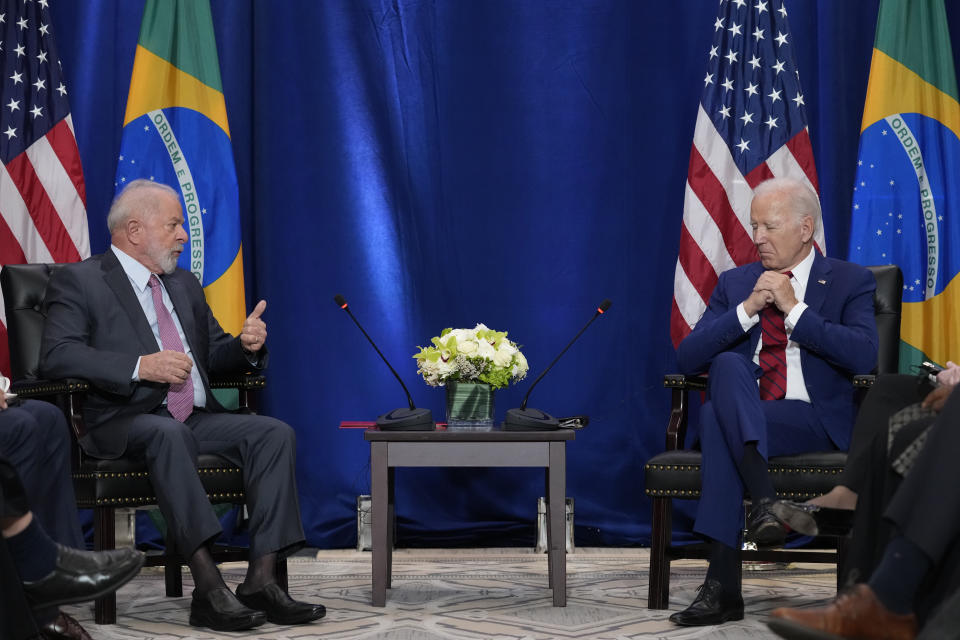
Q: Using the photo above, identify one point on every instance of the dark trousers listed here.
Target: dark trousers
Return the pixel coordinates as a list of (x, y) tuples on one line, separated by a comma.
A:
[(734, 416), (35, 439), (264, 447), (16, 623)]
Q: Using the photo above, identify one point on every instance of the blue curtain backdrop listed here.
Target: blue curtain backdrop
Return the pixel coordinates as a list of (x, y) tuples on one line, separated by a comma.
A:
[(442, 163)]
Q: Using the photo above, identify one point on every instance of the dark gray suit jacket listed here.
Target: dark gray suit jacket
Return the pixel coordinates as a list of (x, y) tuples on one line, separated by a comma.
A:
[(95, 330)]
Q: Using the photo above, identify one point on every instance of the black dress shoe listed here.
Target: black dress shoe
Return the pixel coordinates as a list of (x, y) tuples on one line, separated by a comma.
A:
[(63, 627), (220, 610), (711, 606), (80, 576), (764, 528), (813, 520), (279, 606)]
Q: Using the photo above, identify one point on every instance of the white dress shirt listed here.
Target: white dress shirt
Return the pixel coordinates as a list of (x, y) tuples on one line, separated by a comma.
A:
[(139, 277), (796, 389)]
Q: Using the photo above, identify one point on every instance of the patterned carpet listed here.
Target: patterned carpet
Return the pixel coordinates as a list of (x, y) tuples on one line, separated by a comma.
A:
[(498, 594)]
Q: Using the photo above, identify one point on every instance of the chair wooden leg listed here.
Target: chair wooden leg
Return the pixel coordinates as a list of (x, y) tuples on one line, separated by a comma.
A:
[(658, 590), (282, 580), (105, 608), (172, 571), (842, 543)]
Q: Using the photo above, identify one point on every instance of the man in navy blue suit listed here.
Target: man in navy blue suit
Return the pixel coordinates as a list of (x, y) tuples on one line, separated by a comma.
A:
[(783, 394)]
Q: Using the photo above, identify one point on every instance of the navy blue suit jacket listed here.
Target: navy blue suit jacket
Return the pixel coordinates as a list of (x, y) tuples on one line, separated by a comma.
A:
[(837, 334)]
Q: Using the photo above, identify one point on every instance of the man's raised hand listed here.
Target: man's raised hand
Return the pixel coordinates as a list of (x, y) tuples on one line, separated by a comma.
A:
[(254, 332)]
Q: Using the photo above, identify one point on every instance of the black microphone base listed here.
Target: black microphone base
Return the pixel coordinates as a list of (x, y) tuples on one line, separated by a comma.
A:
[(406, 420), (529, 420)]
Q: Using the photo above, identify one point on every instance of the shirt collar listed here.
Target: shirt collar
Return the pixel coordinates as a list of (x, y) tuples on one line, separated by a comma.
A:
[(802, 271), (139, 275)]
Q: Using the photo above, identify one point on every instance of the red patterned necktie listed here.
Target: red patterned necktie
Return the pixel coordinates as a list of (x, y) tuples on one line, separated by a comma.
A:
[(179, 396), (773, 353)]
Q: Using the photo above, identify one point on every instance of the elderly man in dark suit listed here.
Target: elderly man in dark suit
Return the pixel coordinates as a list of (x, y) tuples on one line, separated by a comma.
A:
[(780, 338), (140, 331)]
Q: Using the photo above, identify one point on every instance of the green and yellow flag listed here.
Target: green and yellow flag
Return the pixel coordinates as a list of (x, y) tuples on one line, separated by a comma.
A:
[(175, 131), (906, 201)]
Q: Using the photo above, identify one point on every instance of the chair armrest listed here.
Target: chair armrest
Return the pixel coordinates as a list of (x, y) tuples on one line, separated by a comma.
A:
[(680, 381), (245, 381), (43, 388), (680, 385), (864, 381)]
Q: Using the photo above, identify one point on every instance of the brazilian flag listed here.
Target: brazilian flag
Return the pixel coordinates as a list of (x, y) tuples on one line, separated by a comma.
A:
[(906, 201), (175, 131)]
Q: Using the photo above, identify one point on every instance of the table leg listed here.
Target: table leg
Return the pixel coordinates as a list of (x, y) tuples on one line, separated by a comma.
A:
[(379, 499), (391, 525), (557, 516), (546, 515)]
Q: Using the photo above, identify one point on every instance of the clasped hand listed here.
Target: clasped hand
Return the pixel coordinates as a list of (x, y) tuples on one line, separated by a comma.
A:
[(774, 288)]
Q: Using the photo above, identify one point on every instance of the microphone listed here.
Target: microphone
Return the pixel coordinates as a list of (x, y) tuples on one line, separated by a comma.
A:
[(412, 419), (524, 419)]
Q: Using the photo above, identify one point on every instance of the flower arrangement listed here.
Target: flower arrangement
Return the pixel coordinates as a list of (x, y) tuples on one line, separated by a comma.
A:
[(471, 355)]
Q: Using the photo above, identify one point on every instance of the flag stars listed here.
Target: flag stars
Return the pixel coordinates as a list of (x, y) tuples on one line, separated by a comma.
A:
[(121, 157), (62, 89), (879, 232), (899, 216), (40, 84), (42, 57), (146, 128), (713, 52), (37, 111), (760, 7), (747, 118), (778, 67), (22, 23), (731, 56), (743, 146), (758, 34), (13, 105), (727, 84), (10, 133), (799, 100), (856, 207), (754, 62), (734, 30), (3, 18), (724, 112), (782, 10), (203, 211), (123, 179), (891, 183), (917, 282), (771, 122), (44, 29), (871, 165), (43, 3), (751, 89), (708, 79), (899, 231), (862, 183), (739, 3), (859, 163), (774, 95), (781, 39), (883, 132), (718, 25), (17, 78)]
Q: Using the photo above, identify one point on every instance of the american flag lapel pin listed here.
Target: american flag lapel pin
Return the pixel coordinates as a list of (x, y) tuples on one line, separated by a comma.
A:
[(822, 281)]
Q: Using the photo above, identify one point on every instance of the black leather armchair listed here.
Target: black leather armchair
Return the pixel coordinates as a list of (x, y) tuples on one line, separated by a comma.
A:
[(108, 485), (675, 474)]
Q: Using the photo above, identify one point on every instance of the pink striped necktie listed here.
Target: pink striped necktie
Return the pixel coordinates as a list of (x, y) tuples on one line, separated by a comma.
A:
[(179, 396), (773, 352)]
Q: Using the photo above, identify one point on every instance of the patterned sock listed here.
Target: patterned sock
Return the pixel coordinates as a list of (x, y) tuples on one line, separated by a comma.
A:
[(898, 577), (33, 552)]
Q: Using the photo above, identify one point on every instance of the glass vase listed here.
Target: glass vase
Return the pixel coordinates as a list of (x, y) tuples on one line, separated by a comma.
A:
[(469, 405)]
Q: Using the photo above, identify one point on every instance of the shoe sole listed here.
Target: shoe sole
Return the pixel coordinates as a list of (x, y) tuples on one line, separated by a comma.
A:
[(292, 621), (799, 521), (793, 631), (199, 620), (729, 617), (769, 536), (124, 579)]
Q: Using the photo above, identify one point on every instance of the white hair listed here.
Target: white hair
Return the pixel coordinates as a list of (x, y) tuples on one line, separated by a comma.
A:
[(133, 198), (797, 198)]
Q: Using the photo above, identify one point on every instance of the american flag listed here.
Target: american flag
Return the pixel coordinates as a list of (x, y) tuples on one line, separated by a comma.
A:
[(750, 127), (42, 197)]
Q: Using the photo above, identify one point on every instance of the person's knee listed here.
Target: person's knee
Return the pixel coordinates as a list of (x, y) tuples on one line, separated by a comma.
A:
[(173, 434), (728, 362), (278, 432)]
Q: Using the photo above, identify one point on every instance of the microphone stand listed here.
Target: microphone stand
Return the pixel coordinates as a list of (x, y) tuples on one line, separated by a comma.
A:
[(524, 419), (402, 419)]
